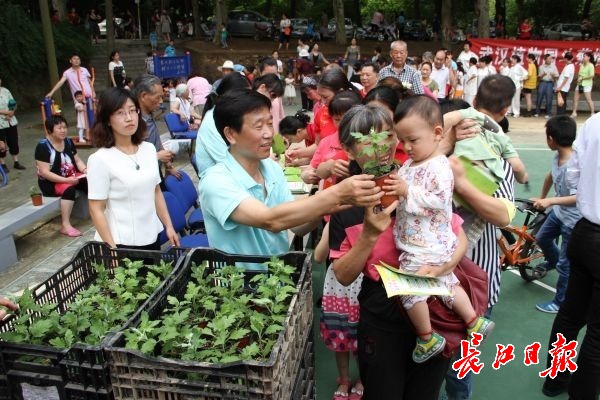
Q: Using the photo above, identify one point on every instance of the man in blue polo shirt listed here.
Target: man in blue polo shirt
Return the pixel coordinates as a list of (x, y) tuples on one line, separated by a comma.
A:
[(245, 199)]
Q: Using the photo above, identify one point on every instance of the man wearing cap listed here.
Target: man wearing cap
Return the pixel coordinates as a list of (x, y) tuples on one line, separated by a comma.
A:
[(227, 68), (399, 70)]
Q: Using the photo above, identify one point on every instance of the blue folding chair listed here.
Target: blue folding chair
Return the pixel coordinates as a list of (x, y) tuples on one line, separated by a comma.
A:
[(179, 129), (178, 220), (185, 191)]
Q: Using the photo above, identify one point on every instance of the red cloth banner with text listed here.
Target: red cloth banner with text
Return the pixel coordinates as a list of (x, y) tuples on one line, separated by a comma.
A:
[(500, 49)]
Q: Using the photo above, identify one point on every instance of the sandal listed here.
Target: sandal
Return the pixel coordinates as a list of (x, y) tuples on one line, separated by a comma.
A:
[(355, 392), (71, 232), (341, 394)]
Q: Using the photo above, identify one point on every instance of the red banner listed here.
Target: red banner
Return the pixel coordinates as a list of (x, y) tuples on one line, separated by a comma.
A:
[(500, 49)]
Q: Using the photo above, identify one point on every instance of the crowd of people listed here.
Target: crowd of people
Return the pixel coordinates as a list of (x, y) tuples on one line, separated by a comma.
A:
[(427, 111)]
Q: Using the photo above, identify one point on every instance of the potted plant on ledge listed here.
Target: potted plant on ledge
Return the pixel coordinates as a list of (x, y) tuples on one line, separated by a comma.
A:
[(36, 196), (375, 147)]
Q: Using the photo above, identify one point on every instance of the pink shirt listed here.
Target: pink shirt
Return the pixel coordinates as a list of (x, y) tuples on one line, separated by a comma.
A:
[(277, 112), (79, 79), (327, 149), (199, 89)]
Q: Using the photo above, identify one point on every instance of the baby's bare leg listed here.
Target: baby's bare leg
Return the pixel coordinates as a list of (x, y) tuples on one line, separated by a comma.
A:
[(419, 316)]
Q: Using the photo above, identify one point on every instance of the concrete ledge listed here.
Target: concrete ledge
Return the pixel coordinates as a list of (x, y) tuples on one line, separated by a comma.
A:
[(17, 219)]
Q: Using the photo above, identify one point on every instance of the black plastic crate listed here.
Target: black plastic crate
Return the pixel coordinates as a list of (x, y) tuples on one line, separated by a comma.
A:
[(82, 371), (287, 373)]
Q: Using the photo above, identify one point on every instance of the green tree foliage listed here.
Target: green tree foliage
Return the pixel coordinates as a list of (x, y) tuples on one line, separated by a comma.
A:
[(22, 47)]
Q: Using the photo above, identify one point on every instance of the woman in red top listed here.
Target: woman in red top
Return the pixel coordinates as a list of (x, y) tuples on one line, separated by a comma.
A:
[(332, 81), (525, 30)]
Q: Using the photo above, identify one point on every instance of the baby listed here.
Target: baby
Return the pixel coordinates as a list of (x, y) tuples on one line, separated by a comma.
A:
[(423, 228)]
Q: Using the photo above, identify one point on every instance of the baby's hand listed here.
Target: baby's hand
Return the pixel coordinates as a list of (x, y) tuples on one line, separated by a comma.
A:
[(395, 186)]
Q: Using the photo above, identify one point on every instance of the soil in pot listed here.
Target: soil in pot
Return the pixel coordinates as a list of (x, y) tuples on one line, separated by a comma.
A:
[(37, 200)]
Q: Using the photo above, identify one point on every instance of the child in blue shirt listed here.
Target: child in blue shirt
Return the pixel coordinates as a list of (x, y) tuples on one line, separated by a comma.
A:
[(170, 49), (153, 37), (563, 213), (223, 36)]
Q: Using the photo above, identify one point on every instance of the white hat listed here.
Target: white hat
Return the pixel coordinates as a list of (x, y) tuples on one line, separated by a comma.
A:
[(228, 64)]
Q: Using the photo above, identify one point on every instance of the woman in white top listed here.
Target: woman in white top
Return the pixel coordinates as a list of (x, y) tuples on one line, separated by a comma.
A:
[(518, 74), (182, 106), (116, 70), (126, 204)]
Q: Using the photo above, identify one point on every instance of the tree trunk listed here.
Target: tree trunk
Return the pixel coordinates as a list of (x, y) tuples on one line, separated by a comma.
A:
[(196, 17), (520, 11), (50, 49), (447, 28), (483, 18), (220, 18), (417, 9), (110, 27), (269, 8), (358, 20), (340, 30), (587, 4), (501, 14)]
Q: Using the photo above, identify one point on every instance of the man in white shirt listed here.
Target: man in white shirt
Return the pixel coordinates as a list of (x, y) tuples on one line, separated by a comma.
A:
[(582, 300), (563, 84), (547, 74), (440, 73), (466, 55)]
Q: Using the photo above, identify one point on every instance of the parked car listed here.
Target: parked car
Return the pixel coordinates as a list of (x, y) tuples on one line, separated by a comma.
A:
[(563, 31), (331, 27), (102, 26), (245, 23), (299, 26)]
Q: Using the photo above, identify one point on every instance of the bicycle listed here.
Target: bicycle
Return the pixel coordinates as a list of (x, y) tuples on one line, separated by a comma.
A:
[(518, 246)]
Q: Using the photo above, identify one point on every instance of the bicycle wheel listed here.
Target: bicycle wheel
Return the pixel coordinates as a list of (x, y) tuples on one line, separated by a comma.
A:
[(528, 270)]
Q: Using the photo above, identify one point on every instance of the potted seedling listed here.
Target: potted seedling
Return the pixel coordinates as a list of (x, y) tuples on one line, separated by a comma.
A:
[(375, 146), (36, 196)]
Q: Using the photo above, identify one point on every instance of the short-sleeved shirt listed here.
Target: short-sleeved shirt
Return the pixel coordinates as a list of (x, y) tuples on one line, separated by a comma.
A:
[(568, 215), (587, 70), (407, 74), (210, 146), (223, 188), (567, 72), (532, 76), (152, 132), (323, 123), (129, 193), (5, 97), (79, 79)]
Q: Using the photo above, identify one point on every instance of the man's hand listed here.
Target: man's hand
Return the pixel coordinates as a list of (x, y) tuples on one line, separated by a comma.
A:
[(359, 190), (164, 156)]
